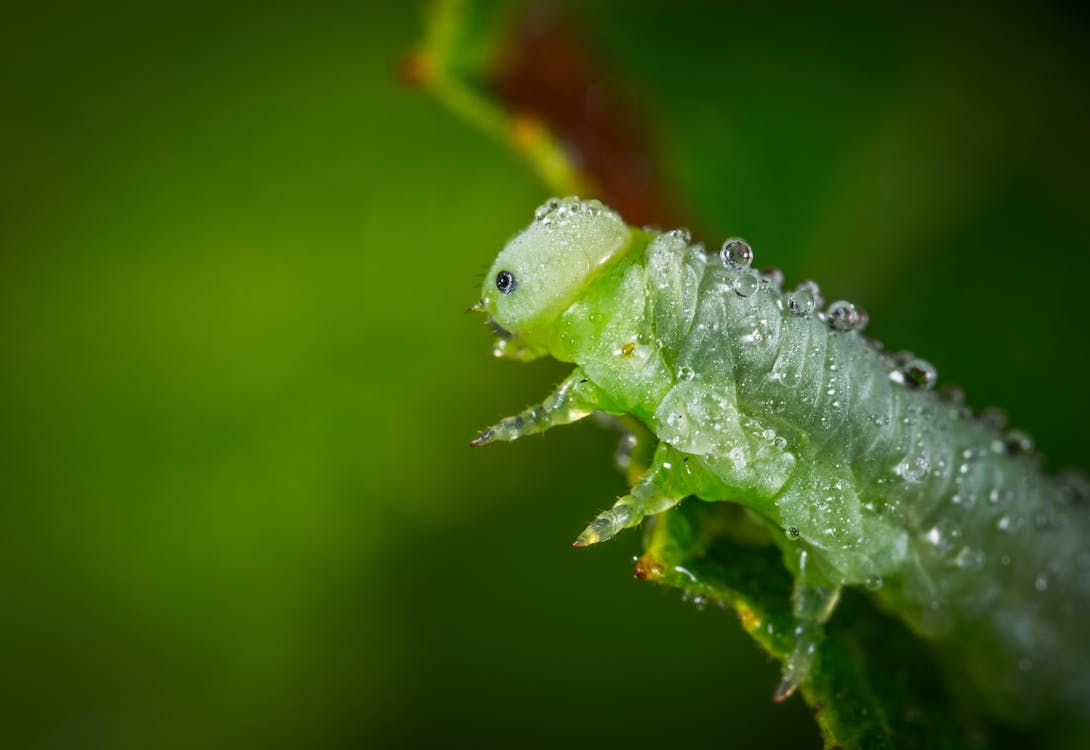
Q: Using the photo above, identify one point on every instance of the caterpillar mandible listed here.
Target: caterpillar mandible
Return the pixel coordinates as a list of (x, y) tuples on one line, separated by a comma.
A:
[(869, 476)]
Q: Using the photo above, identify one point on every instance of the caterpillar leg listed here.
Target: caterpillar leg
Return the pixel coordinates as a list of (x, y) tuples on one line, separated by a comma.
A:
[(662, 487), (572, 400), (812, 603)]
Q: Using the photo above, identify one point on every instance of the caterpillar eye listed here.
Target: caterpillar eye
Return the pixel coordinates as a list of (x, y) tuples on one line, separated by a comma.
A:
[(505, 282)]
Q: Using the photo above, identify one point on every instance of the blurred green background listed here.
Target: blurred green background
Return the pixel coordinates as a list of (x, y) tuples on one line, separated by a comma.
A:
[(238, 505)]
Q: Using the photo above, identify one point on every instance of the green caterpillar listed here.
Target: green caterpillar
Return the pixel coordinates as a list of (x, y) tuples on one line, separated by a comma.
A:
[(869, 476)]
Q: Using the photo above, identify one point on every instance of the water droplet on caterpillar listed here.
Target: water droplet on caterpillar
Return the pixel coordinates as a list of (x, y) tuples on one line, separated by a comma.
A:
[(685, 373), (899, 359), (546, 208), (801, 303), (681, 233), (952, 394), (812, 287), (773, 276), (863, 320), (736, 252), (919, 373), (1044, 522), (805, 299), (913, 471), (1075, 487), (1017, 443), (994, 417), (844, 316), (738, 456), (969, 558), (745, 285)]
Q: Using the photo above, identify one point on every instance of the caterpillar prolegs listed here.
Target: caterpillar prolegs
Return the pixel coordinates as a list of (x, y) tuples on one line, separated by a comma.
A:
[(869, 476)]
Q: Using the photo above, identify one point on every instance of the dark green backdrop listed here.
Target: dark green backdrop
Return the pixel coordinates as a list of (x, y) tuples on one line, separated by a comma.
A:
[(238, 509)]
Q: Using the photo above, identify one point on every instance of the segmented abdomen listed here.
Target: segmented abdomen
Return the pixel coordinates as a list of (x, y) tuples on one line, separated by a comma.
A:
[(950, 522)]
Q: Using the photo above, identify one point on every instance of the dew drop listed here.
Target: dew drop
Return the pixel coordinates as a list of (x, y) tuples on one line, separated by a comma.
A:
[(801, 303), (1017, 442), (969, 559), (863, 320), (685, 373), (738, 456), (1044, 522), (913, 471), (952, 394), (844, 316), (815, 292), (919, 373), (736, 252), (546, 208), (793, 532), (805, 299), (873, 583), (773, 275), (1041, 583), (994, 417), (1075, 487), (745, 285), (681, 233)]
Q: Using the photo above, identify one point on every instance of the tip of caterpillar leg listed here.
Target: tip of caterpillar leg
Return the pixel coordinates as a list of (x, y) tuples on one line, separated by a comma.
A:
[(586, 539), (483, 439), (599, 531), (784, 690)]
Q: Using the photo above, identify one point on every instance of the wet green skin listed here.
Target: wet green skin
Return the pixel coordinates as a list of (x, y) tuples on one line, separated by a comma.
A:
[(867, 481)]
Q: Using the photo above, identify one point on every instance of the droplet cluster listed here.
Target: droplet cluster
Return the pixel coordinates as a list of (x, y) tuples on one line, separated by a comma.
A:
[(842, 317), (559, 210)]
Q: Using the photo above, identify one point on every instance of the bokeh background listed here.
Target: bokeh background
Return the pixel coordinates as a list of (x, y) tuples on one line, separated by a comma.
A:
[(238, 508)]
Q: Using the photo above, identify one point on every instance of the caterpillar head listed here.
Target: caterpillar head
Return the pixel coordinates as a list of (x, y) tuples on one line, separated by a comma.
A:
[(542, 270)]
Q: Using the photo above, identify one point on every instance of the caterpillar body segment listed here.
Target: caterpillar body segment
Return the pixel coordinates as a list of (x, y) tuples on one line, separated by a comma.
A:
[(760, 397)]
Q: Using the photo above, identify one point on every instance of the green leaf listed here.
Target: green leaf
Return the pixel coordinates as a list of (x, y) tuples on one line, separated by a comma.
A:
[(872, 686)]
